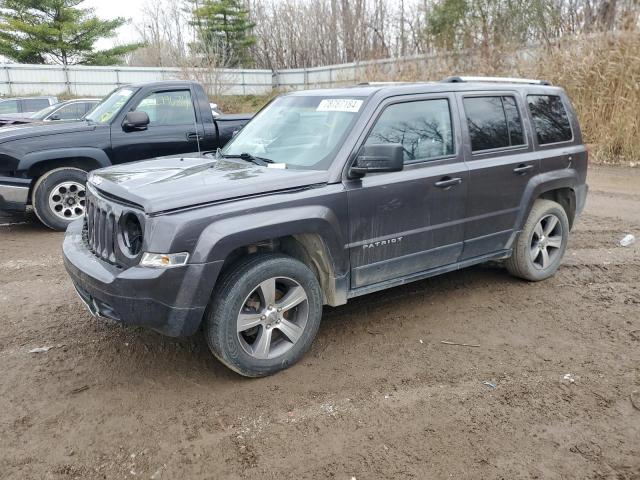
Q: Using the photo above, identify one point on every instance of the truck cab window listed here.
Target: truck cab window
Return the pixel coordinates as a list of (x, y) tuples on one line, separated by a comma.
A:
[(423, 128), (168, 108)]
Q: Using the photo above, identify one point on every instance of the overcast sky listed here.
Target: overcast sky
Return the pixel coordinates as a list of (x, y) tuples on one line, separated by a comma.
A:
[(107, 9)]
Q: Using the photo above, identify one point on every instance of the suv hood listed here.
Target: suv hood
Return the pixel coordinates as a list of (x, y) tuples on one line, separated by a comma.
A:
[(31, 130), (171, 183)]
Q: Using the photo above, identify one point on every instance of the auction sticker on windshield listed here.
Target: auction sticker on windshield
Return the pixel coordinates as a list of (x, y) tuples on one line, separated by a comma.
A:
[(339, 105)]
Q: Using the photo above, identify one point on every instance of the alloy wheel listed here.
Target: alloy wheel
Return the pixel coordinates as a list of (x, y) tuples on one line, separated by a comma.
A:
[(546, 241), (272, 318), (67, 200)]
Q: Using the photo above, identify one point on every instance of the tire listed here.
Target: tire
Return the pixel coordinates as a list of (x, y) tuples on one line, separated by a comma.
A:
[(58, 197), (249, 337), (546, 230)]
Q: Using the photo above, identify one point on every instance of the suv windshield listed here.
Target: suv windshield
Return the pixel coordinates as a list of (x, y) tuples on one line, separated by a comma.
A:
[(109, 106), (299, 131)]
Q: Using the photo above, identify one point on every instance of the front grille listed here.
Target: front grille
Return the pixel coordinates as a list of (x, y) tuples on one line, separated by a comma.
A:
[(100, 231)]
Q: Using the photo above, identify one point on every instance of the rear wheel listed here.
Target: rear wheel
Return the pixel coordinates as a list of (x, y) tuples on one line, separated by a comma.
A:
[(59, 197), (264, 315), (539, 249)]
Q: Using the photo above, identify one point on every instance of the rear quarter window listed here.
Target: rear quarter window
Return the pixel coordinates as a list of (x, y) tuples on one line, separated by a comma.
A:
[(550, 119)]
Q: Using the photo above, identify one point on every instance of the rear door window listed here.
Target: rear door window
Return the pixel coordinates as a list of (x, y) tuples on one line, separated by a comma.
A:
[(423, 128), (493, 122), (550, 119), (34, 104)]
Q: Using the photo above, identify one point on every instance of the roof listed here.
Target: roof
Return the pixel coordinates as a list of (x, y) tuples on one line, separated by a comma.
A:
[(408, 88), (160, 83), (28, 97)]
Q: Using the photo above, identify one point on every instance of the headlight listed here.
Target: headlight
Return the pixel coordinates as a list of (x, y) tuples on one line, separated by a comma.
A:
[(131, 233), (164, 260)]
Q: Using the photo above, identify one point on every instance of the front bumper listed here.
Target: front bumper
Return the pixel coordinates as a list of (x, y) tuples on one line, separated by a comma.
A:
[(170, 301), (14, 193)]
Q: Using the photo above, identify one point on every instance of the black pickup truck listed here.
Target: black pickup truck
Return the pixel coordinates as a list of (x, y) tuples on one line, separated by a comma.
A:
[(46, 165), (327, 195)]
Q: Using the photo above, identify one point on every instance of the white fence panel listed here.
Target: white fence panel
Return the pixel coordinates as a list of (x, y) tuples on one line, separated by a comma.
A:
[(16, 79), (19, 79)]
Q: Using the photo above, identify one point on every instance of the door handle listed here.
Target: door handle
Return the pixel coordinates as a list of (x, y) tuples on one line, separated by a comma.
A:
[(448, 182), (522, 169), (191, 136)]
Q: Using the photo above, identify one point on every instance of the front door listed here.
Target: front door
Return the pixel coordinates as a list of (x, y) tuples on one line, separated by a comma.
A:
[(171, 131), (407, 222)]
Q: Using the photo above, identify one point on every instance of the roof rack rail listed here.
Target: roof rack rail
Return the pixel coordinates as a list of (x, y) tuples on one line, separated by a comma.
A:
[(457, 79), (380, 84)]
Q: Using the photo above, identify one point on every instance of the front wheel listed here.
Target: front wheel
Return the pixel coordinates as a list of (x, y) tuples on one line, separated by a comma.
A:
[(541, 244), (264, 315), (59, 197)]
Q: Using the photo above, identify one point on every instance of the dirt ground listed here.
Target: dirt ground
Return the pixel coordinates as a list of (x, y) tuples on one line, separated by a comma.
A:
[(378, 396)]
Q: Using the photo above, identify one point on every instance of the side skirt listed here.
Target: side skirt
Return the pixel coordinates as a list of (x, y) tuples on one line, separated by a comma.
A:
[(428, 273)]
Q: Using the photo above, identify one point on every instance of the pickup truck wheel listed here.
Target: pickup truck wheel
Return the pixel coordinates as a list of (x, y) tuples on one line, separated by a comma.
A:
[(59, 197), (264, 315), (541, 244)]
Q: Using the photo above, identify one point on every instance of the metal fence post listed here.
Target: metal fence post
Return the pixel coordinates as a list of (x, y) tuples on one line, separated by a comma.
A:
[(10, 88), (65, 69)]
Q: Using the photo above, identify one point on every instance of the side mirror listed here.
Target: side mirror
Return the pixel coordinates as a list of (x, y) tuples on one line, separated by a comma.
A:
[(55, 116), (135, 120), (387, 157)]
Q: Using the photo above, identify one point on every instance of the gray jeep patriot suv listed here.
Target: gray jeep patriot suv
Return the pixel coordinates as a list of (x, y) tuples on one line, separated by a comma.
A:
[(327, 195)]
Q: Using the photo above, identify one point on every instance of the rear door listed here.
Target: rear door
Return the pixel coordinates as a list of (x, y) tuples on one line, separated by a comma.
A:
[(499, 153), (403, 223), (171, 131)]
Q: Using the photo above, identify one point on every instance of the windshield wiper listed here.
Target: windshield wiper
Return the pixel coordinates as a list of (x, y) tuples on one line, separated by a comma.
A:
[(263, 162)]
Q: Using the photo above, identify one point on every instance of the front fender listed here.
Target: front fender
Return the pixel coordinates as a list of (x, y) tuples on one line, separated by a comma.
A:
[(223, 236), (97, 157), (541, 183)]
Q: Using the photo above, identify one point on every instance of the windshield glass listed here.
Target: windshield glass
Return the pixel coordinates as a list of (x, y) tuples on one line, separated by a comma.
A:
[(110, 106), (40, 114), (301, 132)]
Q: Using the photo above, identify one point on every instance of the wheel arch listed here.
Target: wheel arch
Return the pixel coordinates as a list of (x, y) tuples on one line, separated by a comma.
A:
[(36, 164), (566, 197), (314, 240), (559, 186)]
